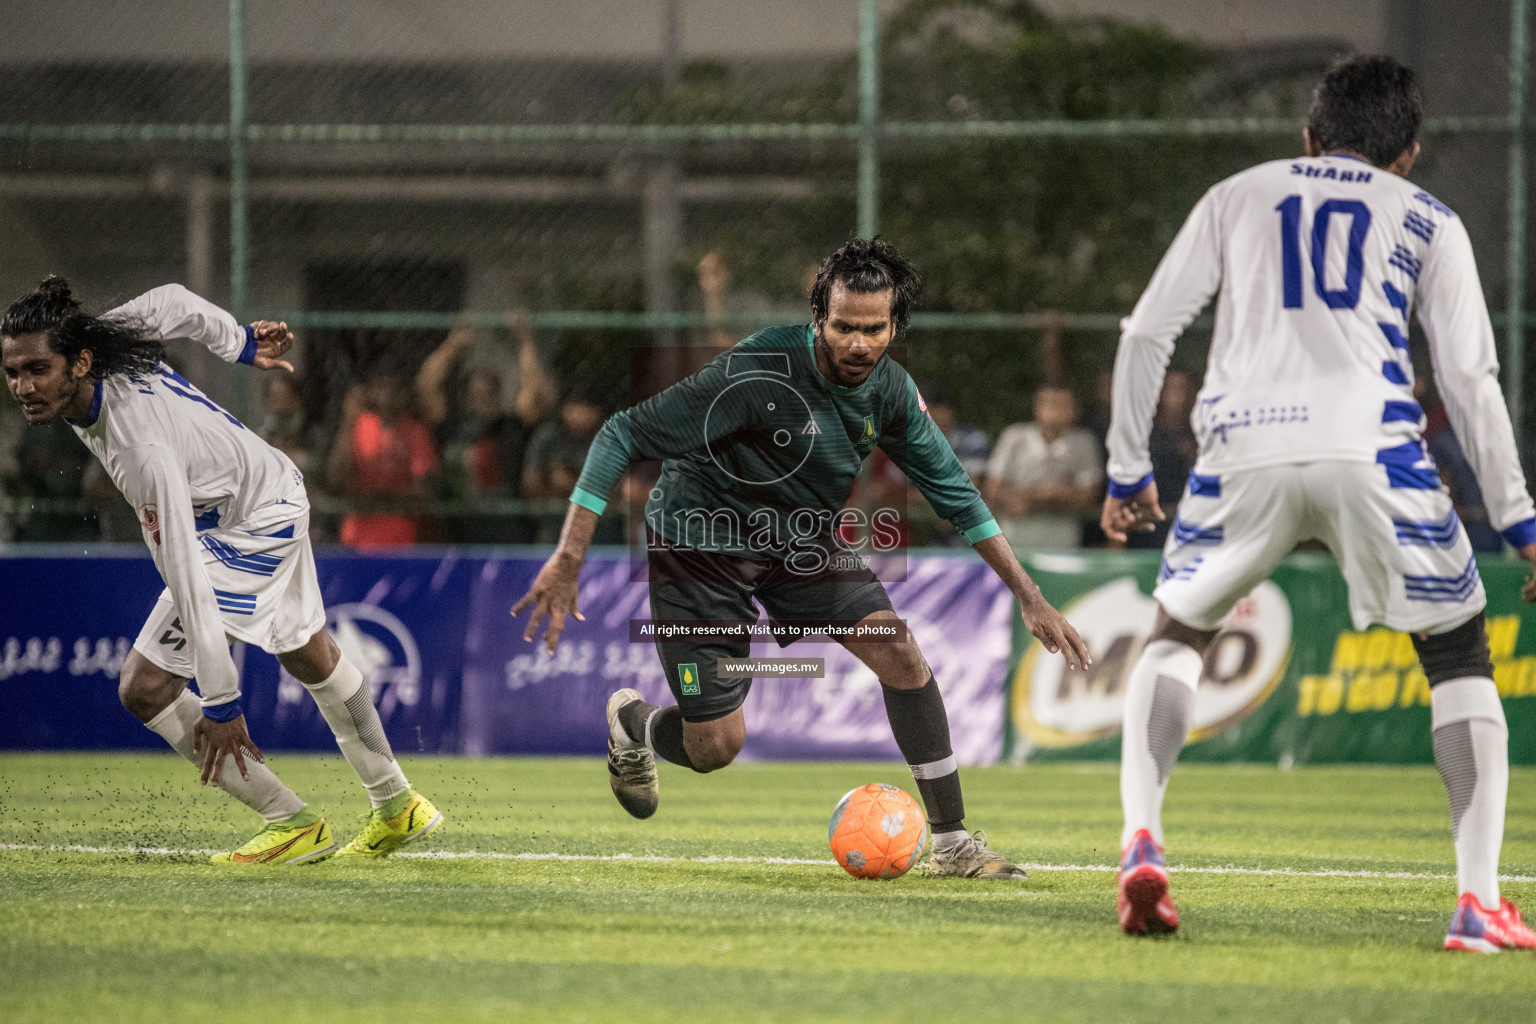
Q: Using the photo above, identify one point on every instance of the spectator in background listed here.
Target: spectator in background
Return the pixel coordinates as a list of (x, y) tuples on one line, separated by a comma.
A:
[(971, 444), (559, 447), (1173, 448), (715, 284), (381, 452), (556, 453), (282, 419), (1045, 477), (1455, 470), (721, 299), (1097, 420), (483, 445)]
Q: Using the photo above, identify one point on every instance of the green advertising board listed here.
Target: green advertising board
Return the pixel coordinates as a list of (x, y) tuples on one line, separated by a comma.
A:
[(1288, 679)]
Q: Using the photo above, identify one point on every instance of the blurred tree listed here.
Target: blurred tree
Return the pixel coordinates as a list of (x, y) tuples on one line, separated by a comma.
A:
[(1014, 226)]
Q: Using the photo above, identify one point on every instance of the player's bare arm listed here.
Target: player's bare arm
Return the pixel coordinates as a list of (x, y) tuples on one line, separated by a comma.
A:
[(553, 593), (1044, 622), (1140, 513)]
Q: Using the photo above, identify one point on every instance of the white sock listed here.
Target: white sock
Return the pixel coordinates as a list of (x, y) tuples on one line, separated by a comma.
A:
[(1159, 707), (1472, 753), (945, 840), (263, 792), (348, 709)]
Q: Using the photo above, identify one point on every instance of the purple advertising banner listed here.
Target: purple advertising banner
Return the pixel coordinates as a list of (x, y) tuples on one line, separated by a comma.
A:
[(450, 673), (518, 700)]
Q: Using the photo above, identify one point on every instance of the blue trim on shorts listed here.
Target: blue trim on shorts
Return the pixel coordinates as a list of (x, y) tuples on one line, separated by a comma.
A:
[(1443, 589), (1193, 533), (1166, 572), (1428, 533), (235, 604), (1394, 372), (255, 564)]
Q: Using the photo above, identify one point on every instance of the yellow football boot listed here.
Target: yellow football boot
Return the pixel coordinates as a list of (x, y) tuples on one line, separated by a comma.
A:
[(301, 839), (402, 820)]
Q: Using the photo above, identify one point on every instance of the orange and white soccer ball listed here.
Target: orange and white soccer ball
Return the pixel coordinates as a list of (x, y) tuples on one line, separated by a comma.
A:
[(877, 831)]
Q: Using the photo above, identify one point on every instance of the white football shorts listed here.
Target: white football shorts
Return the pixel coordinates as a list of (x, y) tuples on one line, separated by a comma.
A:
[(263, 576), (1404, 555)]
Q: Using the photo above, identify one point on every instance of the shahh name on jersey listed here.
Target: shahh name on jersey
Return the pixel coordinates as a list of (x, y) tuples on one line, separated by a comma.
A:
[(1378, 670), (1332, 173)]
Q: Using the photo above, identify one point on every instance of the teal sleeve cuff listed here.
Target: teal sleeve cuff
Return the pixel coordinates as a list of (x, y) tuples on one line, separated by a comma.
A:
[(981, 531), (607, 459), (588, 501)]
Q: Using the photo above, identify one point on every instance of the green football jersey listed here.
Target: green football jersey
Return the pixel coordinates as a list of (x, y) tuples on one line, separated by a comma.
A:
[(760, 452)]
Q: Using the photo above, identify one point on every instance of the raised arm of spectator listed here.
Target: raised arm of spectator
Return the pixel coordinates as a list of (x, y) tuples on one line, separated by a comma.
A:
[(535, 388), (338, 466), (432, 378)]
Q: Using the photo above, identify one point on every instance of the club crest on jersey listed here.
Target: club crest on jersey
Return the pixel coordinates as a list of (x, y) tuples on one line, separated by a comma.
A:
[(149, 518), (867, 438), (923, 405)]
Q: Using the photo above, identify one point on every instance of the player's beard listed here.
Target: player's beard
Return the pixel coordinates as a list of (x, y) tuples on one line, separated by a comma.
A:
[(838, 375), (67, 397)]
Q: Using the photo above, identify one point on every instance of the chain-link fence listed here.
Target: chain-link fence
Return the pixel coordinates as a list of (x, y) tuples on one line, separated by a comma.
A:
[(472, 214)]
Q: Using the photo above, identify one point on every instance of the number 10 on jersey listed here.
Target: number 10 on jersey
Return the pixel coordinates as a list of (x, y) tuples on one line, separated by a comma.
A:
[(1290, 251)]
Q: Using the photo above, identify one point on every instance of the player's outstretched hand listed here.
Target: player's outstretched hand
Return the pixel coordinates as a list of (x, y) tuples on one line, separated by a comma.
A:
[(1137, 514), (218, 740), (273, 340), (553, 594), (1528, 592), (1053, 630)]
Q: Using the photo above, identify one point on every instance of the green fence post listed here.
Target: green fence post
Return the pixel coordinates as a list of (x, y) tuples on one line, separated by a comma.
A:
[(869, 118), (1514, 311), (237, 159)]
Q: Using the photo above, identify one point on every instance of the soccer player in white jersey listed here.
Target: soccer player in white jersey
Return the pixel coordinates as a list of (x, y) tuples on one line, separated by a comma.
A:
[(225, 516), (1308, 430)]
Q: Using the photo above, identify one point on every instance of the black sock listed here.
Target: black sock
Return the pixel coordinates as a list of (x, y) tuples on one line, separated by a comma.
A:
[(666, 729), (921, 729)]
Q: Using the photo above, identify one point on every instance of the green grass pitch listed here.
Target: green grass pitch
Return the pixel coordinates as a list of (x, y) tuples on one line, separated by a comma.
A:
[(1346, 925)]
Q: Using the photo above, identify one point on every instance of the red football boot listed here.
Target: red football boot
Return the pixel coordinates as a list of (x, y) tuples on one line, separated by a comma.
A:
[(1476, 929), (1145, 908)]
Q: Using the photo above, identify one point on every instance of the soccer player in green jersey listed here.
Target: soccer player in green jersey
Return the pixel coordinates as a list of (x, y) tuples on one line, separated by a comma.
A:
[(760, 451)]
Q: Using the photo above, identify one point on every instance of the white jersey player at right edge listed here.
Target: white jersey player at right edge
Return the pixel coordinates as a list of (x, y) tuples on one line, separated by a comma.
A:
[(225, 516), (1308, 430)]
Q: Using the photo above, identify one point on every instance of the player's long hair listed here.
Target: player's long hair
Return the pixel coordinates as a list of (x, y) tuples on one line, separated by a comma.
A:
[(867, 265), (116, 345), (1368, 105)]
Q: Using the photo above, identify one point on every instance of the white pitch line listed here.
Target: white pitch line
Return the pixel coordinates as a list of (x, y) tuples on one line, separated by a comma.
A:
[(649, 858)]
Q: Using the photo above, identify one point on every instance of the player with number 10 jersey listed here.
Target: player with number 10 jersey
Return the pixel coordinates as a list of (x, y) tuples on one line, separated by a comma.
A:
[(1309, 430)]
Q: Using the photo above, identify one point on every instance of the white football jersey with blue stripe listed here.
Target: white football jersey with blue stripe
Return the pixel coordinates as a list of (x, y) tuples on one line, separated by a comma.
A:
[(1320, 262), (188, 468)]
